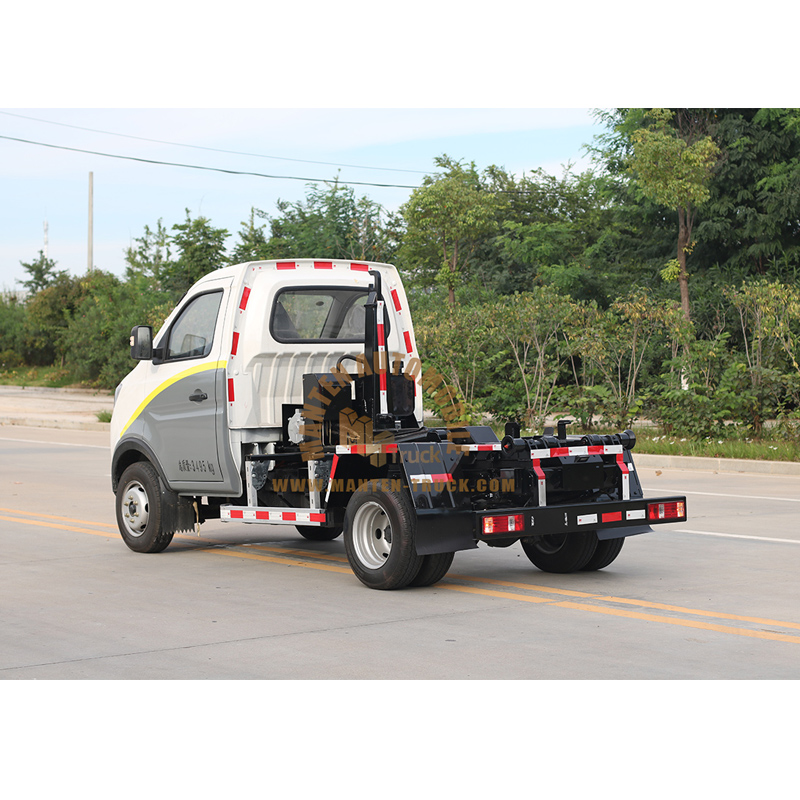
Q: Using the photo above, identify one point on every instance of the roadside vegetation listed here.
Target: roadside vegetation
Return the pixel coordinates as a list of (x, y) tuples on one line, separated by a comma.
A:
[(661, 285)]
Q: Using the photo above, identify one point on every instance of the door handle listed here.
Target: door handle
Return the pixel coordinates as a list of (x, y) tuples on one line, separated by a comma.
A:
[(198, 396)]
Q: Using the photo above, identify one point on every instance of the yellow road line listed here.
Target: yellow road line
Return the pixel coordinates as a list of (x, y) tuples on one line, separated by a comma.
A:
[(592, 601), (284, 561), (618, 612), (54, 525), (698, 612), (686, 623), (62, 519)]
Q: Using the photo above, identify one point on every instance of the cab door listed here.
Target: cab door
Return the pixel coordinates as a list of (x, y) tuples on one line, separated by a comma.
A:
[(184, 418)]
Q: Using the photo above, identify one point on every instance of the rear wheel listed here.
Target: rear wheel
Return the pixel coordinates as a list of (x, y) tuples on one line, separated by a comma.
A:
[(379, 529), (316, 534), (560, 552), (605, 552), (433, 569), (140, 509)]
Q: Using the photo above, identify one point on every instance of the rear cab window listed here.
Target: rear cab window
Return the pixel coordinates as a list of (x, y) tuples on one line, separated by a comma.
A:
[(318, 314)]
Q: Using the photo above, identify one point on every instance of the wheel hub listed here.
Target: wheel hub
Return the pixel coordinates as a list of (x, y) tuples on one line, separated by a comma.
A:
[(372, 535), (135, 509)]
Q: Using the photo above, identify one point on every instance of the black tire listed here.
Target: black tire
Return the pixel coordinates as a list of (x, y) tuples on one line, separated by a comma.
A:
[(379, 529), (607, 550), (140, 509), (433, 569), (317, 534), (560, 552)]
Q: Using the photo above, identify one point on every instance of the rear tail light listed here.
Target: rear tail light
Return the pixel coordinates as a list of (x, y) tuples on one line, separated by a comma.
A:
[(504, 524), (675, 510)]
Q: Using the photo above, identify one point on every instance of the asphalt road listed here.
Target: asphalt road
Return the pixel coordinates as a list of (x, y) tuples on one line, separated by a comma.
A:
[(715, 598)]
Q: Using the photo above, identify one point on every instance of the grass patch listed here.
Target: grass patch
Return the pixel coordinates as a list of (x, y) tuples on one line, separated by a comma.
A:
[(48, 377), (754, 449)]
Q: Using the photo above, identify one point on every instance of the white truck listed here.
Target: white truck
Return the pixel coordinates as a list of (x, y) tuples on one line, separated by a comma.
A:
[(290, 393)]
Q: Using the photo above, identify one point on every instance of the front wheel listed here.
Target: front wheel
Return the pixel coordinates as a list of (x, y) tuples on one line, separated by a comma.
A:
[(140, 509), (379, 529), (560, 552)]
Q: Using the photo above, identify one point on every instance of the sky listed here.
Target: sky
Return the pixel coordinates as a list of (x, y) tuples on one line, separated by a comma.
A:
[(311, 91), (393, 148)]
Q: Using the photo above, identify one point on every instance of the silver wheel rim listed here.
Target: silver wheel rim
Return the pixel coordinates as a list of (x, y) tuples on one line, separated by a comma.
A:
[(135, 509), (372, 535)]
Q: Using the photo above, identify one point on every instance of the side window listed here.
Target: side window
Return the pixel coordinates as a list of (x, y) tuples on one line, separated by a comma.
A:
[(192, 333)]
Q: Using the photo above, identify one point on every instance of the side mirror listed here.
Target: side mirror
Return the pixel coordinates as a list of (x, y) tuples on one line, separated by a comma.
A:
[(142, 343)]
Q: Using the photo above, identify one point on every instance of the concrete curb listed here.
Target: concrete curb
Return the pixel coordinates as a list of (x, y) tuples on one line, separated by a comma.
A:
[(716, 464), (63, 424)]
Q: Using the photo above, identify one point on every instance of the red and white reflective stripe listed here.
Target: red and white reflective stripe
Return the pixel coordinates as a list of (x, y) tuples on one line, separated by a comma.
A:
[(353, 266), (437, 477), (578, 450), (330, 480), (480, 448), (396, 300), (382, 358), (273, 515), (247, 289), (626, 482), (404, 332), (540, 479), (364, 449)]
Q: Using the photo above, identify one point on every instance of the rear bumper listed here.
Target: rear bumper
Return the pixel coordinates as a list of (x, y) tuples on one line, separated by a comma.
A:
[(447, 530)]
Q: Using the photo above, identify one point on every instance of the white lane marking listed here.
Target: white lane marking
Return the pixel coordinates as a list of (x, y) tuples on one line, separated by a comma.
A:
[(663, 489), (735, 536), (63, 444)]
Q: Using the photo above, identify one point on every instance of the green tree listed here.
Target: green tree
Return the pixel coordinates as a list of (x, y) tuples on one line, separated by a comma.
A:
[(457, 342), (750, 225), (447, 218), (150, 261), (96, 338), (201, 249), (252, 244), (49, 312), (673, 166), (616, 344), (13, 318), (331, 222), (41, 273), (533, 327), (550, 228)]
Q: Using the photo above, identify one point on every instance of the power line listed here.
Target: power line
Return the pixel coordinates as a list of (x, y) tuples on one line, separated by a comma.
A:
[(212, 149), (208, 169)]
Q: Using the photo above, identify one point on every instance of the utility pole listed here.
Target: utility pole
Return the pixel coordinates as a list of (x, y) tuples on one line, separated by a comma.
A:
[(45, 238), (91, 204)]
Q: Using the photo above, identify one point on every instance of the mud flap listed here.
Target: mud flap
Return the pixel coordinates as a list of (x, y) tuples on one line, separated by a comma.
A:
[(177, 513), (444, 517)]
